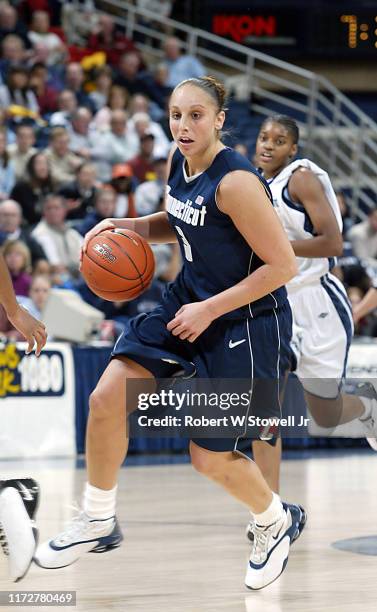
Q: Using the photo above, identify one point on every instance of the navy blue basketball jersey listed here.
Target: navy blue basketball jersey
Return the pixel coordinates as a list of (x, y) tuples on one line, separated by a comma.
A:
[(215, 254)]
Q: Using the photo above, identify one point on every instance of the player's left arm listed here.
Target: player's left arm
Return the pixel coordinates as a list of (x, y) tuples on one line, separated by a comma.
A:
[(242, 196), (306, 188)]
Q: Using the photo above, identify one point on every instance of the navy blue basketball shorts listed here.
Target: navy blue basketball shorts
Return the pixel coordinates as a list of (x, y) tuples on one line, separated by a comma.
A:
[(253, 349)]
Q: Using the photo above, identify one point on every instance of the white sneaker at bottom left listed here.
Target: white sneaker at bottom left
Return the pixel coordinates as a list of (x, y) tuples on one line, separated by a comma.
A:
[(18, 533), (82, 535)]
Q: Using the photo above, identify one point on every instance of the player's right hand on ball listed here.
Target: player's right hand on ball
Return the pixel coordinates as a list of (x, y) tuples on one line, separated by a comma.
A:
[(97, 229)]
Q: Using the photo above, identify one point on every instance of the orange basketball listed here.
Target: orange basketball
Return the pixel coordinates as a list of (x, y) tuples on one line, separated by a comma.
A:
[(118, 265)]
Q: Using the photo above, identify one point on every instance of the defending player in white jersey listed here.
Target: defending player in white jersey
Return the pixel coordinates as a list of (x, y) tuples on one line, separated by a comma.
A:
[(307, 206)]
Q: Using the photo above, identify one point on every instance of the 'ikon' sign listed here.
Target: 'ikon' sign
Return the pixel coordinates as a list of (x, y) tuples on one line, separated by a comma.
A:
[(238, 27)]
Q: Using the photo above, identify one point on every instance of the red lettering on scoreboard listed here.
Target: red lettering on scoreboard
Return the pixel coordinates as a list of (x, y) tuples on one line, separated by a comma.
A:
[(239, 27)]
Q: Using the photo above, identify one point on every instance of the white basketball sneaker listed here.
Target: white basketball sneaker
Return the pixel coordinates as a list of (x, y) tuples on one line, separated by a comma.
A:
[(271, 545), (82, 535), (18, 533)]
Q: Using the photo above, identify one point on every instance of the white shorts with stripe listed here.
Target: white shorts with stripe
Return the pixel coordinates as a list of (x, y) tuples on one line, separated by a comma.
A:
[(322, 334)]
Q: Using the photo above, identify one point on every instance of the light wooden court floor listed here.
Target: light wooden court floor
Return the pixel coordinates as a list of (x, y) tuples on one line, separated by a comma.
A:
[(185, 548)]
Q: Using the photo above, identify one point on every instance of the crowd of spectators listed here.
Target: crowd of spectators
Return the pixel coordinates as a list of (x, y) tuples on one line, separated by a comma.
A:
[(84, 136)]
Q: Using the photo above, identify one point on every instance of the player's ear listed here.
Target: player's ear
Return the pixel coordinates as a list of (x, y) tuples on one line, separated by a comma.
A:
[(294, 150), (220, 118)]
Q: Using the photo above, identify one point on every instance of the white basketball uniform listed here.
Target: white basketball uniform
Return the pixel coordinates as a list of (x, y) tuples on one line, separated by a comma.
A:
[(322, 314)]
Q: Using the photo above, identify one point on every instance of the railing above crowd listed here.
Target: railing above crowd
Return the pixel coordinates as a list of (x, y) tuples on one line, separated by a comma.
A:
[(335, 132)]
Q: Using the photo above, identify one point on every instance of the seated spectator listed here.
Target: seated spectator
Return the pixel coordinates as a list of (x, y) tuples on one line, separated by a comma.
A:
[(46, 94), (62, 162), (104, 207), (139, 103), (21, 151), (67, 105), (74, 80), (61, 243), (12, 54), (160, 89), (110, 39), (11, 229), (7, 171), (117, 100), (16, 92), (180, 65), (18, 260), (142, 124), (80, 138), (103, 79), (363, 237), (149, 195), (31, 191), (39, 35), (80, 194), (130, 76), (39, 293), (114, 147), (122, 183), (142, 164), (11, 24)]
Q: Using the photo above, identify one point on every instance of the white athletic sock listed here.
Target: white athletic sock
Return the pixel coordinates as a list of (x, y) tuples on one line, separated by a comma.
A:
[(99, 503), (367, 403), (273, 513)]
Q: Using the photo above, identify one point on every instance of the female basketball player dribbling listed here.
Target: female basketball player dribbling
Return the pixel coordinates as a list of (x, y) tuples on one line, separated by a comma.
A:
[(226, 315)]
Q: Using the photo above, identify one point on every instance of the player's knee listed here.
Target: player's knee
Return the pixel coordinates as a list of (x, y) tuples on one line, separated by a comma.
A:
[(99, 404)]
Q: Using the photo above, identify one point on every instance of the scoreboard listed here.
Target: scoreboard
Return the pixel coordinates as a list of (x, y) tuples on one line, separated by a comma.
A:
[(301, 28)]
